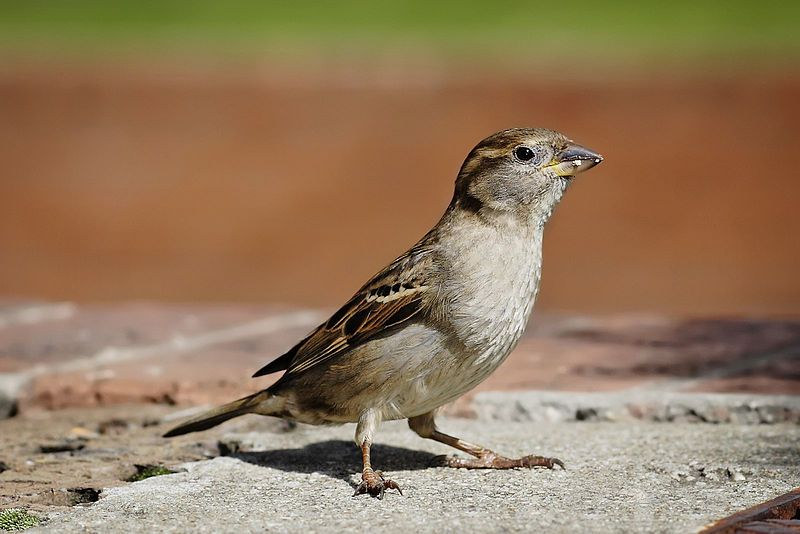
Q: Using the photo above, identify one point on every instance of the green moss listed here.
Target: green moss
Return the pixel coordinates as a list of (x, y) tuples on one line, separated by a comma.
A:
[(16, 519), (148, 471)]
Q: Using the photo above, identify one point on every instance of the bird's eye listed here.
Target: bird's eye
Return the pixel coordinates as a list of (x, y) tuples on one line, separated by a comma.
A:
[(523, 153)]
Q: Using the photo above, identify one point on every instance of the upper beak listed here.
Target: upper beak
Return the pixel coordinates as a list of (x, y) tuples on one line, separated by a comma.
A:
[(574, 159)]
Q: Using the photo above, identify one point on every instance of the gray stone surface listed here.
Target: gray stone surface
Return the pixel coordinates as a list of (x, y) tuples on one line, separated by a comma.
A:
[(620, 477), (636, 404)]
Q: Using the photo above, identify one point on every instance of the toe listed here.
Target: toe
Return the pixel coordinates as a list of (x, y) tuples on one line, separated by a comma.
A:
[(442, 460), (391, 484), (541, 461), (376, 486)]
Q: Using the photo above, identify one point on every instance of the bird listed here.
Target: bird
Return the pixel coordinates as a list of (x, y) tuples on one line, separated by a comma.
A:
[(437, 320)]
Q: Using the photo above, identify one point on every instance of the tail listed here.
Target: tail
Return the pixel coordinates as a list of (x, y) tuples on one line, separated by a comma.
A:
[(254, 403)]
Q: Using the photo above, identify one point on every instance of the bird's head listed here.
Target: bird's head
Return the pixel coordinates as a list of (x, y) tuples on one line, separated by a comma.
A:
[(524, 171)]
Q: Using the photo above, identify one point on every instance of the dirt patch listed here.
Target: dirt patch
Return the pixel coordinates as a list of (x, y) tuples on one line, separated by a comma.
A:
[(41, 476), (119, 444)]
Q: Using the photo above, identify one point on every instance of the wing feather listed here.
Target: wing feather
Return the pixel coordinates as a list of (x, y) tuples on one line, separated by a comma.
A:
[(389, 300)]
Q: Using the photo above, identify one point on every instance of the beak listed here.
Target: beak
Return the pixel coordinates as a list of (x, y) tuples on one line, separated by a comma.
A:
[(574, 159)]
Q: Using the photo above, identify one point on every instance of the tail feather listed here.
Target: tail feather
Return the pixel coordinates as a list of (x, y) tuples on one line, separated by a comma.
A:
[(204, 421)]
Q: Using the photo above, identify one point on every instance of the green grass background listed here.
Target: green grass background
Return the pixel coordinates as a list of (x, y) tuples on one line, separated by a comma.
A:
[(516, 30)]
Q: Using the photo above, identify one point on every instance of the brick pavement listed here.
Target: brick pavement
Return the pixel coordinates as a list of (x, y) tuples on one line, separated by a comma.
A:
[(57, 355)]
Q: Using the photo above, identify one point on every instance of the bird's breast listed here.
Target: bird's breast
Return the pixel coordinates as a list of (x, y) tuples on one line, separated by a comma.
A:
[(496, 279), (493, 285)]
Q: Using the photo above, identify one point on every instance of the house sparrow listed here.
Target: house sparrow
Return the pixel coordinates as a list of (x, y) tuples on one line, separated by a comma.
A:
[(440, 318)]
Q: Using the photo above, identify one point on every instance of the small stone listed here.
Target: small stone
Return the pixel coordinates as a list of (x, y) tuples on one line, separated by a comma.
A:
[(112, 426), (678, 475), (82, 433), (67, 445), (735, 475)]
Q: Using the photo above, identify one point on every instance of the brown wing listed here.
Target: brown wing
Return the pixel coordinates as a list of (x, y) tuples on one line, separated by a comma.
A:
[(392, 298)]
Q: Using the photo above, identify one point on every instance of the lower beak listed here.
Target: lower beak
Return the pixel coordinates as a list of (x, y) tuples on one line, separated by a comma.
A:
[(574, 159)]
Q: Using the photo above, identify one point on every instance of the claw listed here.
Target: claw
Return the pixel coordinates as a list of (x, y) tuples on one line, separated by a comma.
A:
[(362, 488), (376, 485)]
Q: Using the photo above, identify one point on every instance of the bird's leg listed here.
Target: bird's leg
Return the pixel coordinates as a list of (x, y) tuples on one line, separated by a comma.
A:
[(372, 482), (425, 426)]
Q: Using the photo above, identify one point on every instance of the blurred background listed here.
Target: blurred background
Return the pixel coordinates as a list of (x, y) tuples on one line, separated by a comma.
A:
[(201, 151)]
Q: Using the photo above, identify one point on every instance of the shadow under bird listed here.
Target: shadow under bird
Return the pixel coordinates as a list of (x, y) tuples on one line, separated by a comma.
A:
[(440, 318)]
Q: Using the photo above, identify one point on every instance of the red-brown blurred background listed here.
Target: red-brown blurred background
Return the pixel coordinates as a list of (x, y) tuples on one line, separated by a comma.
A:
[(169, 173)]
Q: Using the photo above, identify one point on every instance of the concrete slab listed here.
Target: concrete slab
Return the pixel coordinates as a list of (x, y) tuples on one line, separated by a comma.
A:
[(620, 477)]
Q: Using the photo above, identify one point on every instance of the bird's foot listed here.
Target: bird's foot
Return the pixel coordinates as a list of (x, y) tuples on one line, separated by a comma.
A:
[(491, 460), (372, 482)]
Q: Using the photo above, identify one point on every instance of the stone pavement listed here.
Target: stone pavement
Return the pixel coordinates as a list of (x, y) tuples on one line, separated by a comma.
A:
[(56, 355), (665, 424), (643, 477)]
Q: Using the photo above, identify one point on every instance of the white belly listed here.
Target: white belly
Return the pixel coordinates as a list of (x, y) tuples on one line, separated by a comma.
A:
[(442, 385)]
